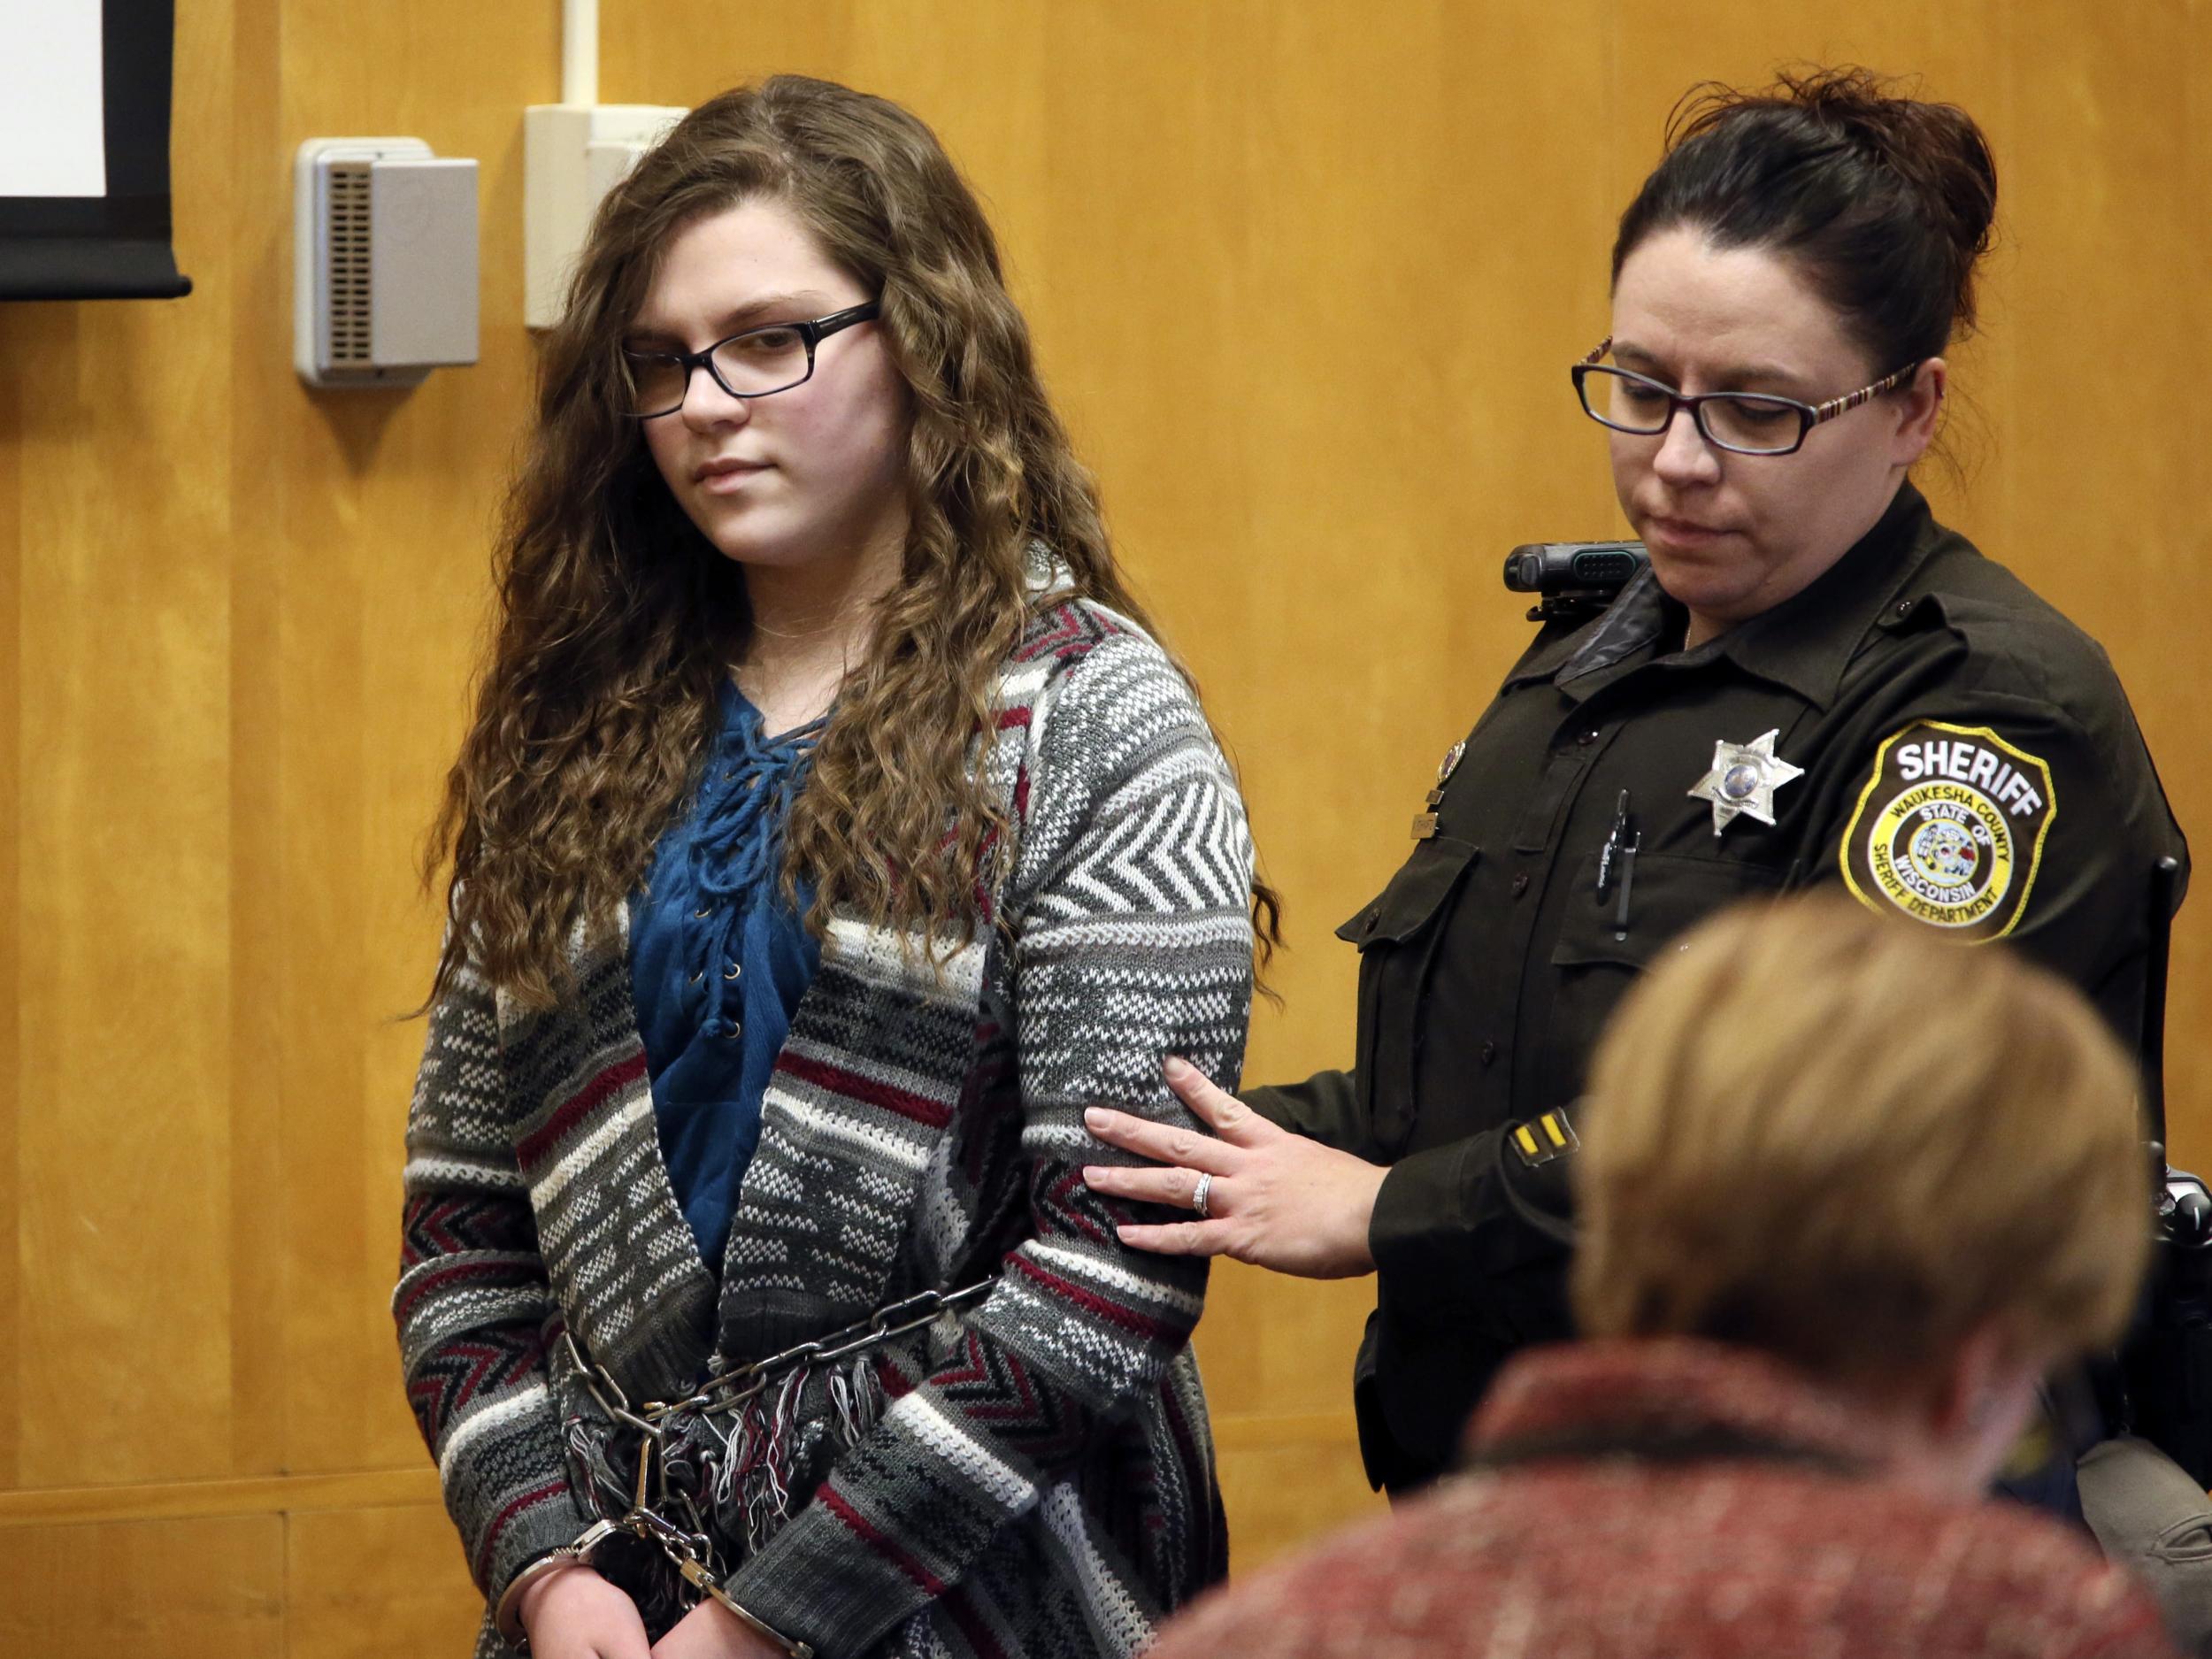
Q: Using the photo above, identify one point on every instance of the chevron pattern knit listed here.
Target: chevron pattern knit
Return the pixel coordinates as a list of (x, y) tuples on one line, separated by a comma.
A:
[(1041, 1482)]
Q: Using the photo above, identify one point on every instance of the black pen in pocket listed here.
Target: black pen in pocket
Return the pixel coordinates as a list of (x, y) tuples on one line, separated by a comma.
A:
[(1628, 880), (1614, 840)]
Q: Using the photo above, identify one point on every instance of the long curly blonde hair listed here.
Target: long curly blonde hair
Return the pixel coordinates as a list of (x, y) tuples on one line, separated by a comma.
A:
[(617, 621)]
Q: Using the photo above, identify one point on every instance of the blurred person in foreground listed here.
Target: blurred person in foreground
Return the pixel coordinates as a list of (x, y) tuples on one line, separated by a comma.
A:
[(1848, 1192)]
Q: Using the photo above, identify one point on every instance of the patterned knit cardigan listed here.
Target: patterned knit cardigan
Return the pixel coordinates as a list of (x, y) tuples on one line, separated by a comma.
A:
[(1042, 1483)]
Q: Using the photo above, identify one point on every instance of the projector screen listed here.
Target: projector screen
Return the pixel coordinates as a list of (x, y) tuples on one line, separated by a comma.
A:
[(84, 151)]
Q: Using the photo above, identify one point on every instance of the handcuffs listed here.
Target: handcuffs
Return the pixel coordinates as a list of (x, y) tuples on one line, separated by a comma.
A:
[(644, 1523), (692, 1553)]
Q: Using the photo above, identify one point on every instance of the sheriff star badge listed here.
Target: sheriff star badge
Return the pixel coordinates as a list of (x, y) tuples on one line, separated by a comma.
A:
[(1743, 779)]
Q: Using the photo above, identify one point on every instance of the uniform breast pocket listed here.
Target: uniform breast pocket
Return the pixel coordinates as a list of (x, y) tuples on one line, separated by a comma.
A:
[(1398, 935), (1599, 951)]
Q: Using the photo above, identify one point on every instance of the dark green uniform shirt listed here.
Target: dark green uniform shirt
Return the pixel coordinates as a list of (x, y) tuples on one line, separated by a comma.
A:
[(1944, 743)]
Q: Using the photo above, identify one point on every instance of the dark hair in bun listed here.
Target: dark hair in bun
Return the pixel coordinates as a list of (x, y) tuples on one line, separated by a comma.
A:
[(1885, 201)]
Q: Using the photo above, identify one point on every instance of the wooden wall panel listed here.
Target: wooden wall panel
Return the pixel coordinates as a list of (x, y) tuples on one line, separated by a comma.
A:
[(13, 1361), (166, 1589), (2181, 316), (2106, 432), (370, 1584), (1288, 1480), (1304, 280), (257, 228), (381, 572), (123, 512)]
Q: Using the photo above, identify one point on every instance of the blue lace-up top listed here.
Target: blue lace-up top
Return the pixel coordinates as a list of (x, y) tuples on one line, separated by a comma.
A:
[(718, 962)]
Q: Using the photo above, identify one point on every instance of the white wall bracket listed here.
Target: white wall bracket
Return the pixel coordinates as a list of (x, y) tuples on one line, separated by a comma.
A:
[(572, 155)]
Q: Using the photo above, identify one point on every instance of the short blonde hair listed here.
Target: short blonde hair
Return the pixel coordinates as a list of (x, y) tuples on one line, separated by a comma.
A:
[(1843, 1139)]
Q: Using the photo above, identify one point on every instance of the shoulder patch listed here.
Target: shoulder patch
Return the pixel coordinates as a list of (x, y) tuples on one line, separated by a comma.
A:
[(1949, 829)]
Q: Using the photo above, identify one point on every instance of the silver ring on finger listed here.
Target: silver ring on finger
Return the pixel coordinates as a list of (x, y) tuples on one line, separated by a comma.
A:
[(1201, 1193)]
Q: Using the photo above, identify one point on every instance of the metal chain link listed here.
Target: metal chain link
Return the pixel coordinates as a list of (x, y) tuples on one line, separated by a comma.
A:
[(727, 1390), (691, 1550)]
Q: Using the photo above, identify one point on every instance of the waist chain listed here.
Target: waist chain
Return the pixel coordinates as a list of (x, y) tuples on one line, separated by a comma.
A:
[(720, 1462)]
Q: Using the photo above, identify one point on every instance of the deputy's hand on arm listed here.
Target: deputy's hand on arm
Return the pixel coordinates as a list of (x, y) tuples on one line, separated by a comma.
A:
[(1276, 1200), (710, 1631), (575, 1614)]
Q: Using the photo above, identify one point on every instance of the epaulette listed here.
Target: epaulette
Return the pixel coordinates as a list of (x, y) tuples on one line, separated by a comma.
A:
[(1550, 1137)]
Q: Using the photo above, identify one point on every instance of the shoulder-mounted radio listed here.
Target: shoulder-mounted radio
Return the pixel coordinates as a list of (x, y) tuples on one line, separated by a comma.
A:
[(1573, 580)]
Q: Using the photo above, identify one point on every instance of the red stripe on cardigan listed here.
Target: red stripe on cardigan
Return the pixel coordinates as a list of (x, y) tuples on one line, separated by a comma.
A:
[(1067, 631), (1090, 1300), (917, 1108), (486, 1361), (1072, 634), (1072, 1201), (895, 1385), (929, 1583), (579, 1105), (979, 1635), (551, 1489), (1023, 1409)]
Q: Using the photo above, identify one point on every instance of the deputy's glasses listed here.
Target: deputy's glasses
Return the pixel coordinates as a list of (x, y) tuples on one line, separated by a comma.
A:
[(1744, 423), (759, 363)]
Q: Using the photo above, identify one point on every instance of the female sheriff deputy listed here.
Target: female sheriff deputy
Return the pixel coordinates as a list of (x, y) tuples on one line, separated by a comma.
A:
[(1814, 683)]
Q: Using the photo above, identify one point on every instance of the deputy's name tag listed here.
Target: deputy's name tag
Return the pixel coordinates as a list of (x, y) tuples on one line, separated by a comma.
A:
[(1949, 829)]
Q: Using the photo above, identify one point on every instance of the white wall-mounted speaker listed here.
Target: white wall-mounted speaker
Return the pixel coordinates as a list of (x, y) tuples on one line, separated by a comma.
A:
[(384, 262)]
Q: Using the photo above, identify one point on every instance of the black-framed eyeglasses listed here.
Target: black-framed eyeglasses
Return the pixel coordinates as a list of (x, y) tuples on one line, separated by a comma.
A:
[(758, 362), (1743, 423)]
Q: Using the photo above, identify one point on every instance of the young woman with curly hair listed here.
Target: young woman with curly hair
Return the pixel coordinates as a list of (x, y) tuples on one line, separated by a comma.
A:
[(830, 832)]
